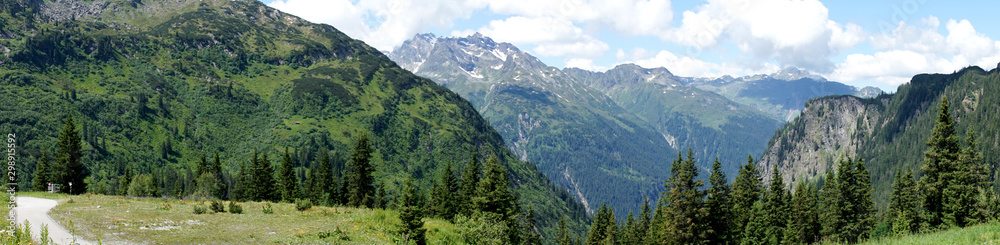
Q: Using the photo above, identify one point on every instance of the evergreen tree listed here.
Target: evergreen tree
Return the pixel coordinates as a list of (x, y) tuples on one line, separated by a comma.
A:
[(411, 215), (719, 206), (746, 191), (685, 212), (493, 195), (968, 178), (756, 229), (216, 171), (803, 224), (124, 181), (603, 230), (263, 187), (69, 168), (41, 179), (287, 180), (563, 237), (776, 209), (359, 180), (862, 219), (630, 231), (942, 152), (321, 189), (830, 219), (467, 190), (642, 226), (241, 190), (903, 204), (530, 232), (202, 164), (443, 198)]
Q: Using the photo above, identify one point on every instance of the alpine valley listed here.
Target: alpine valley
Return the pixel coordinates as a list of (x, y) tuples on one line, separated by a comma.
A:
[(598, 133)]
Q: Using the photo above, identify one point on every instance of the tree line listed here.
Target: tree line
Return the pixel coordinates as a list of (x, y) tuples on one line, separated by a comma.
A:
[(953, 191)]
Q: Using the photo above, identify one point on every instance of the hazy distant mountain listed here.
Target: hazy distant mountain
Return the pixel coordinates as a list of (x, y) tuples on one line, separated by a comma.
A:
[(782, 94), (578, 136), (712, 125)]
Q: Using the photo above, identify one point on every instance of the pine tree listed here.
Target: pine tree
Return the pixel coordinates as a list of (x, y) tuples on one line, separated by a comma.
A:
[(685, 211), (467, 190), (829, 210), (443, 198), (803, 224), (563, 237), (602, 231), (411, 215), (719, 205), (942, 152), (360, 182), (530, 232), (202, 165), (903, 204), (216, 170), (41, 179), (70, 171), (775, 209), (961, 195), (287, 180), (746, 191)]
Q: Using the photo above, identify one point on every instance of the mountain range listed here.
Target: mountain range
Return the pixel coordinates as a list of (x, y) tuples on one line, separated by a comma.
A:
[(597, 133)]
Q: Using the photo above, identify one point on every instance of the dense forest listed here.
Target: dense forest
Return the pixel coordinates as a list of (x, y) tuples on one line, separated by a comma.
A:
[(953, 191)]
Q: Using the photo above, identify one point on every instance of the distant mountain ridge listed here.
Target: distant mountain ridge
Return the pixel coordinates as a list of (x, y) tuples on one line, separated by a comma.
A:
[(781, 94), (578, 137)]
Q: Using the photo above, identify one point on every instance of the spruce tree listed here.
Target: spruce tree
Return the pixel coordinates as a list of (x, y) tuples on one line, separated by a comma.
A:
[(776, 209), (719, 205), (903, 204), (756, 229), (41, 179), (630, 231), (69, 168), (287, 180), (493, 195), (202, 164), (746, 191), (412, 216), (685, 211), (968, 178), (443, 198), (321, 189), (830, 220), (530, 233), (264, 185), (603, 230), (563, 237), (359, 180), (803, 224), (467, 190), (216, 170), (942, 152), (642, 226)]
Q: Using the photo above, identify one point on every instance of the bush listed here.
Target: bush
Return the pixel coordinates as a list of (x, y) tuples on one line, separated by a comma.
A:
[(303, 204), (235, 208), (267, 208), (218, 207), (199, 209)]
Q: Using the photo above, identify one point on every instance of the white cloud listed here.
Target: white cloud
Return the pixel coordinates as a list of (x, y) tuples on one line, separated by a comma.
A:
[(586, 64), (691, 67), (909, 50), (636, 17), (791, 32), (395, 20), (553, 36)]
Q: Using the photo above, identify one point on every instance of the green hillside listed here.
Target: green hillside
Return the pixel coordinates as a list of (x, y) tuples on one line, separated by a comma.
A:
[(154, 85)]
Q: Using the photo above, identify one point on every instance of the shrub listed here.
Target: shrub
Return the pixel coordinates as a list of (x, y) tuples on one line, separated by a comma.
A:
[(199, 209), (303, 204), (235, 208), (267, 208), (218, 207)]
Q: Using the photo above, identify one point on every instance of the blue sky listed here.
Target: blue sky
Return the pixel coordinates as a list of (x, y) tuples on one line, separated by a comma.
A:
[(862, 43)]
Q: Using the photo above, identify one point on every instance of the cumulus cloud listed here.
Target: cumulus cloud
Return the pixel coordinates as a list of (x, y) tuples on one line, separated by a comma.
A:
[(913, 49), (791, 32), (553, 36), (382, 24), (691, 67)]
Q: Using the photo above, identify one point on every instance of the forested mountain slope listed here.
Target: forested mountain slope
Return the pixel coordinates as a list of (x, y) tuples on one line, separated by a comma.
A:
[(889, 132), (710, 124), (156, 84), (575, 134)]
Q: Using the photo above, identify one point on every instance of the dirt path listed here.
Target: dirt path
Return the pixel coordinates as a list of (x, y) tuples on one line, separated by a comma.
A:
[(36, 211)]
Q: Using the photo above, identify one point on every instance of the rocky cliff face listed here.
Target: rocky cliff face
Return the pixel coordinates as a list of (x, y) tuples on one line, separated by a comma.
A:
[(828, 129)]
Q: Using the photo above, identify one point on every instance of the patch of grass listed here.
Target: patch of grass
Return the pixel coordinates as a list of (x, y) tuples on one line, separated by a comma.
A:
[(130, 220), (978, 234)]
